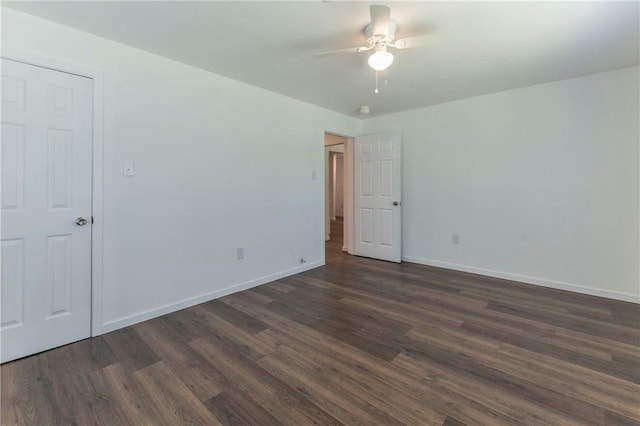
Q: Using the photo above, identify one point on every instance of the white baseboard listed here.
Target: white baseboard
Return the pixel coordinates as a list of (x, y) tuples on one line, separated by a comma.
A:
[(559, 285), (191, 301), (345, 248), (327, 237)]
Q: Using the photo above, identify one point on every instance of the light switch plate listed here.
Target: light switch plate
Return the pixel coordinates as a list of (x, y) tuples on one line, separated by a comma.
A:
[(128, 168)]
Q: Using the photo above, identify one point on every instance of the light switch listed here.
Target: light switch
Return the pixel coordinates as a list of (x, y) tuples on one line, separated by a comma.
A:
[(128, 168)]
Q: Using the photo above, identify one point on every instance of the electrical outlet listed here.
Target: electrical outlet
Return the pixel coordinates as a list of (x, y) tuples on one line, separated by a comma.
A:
[(455, 239), (240, 253)]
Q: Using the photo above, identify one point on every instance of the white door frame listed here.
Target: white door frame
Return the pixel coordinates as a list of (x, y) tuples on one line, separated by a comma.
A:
[(97, 170), (349, 165)]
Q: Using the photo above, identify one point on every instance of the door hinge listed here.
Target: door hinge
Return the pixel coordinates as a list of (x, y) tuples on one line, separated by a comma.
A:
[(92, 220)]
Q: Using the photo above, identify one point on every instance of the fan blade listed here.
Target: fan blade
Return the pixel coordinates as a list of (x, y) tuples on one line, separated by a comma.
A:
[(380, 19), (411, 42), (341, 51)]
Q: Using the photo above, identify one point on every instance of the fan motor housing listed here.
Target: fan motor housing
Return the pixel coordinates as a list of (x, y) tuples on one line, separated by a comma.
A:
[(376, 39)]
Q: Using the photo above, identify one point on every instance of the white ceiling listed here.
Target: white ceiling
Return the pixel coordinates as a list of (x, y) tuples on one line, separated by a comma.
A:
[(477, 47)]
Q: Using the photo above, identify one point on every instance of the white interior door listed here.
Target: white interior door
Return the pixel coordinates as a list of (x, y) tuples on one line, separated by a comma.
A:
[(378, 198), (46, 191)]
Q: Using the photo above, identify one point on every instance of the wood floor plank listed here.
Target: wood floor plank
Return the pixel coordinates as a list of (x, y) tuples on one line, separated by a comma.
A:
[(594, 327), (185, 326), (90, 354), (132, 352), (226, 333), (173, 400), (130, 402), (602, 343), (270, 392), (233, 407), (58, 388), (21, 396), (545, 346), (239, 319), (281, 286), (479, 361), (600, 389), (383, 305), (314, 385), (393, 407), (407, 316), (104, 407), (626, 394), (451, 421), (193, 371), (379, 342), (519, 410)]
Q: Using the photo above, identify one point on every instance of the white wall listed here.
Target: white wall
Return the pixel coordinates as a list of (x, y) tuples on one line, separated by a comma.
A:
[(219, 165), (541, 183)]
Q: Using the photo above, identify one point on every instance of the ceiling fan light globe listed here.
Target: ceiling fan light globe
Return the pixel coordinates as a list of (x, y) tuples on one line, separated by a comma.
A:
[(380, 60)]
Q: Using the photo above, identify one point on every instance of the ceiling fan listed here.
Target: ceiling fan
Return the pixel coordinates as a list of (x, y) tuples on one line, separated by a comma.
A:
[(380, 35)]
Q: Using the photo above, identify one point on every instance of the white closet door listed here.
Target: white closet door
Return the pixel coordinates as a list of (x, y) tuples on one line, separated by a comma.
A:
[(45, 209)]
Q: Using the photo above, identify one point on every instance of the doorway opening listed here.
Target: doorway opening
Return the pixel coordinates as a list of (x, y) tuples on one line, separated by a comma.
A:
[(371, 204), (338, 193)]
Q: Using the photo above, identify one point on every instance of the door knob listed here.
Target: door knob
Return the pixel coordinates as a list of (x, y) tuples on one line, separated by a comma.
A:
[(395, 203), (81, 221)]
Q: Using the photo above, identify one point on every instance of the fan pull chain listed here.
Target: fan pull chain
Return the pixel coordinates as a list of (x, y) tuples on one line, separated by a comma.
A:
[(386, 81)]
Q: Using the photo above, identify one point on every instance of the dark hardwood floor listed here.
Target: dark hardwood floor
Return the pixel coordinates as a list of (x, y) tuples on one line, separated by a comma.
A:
[(357, 342)]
